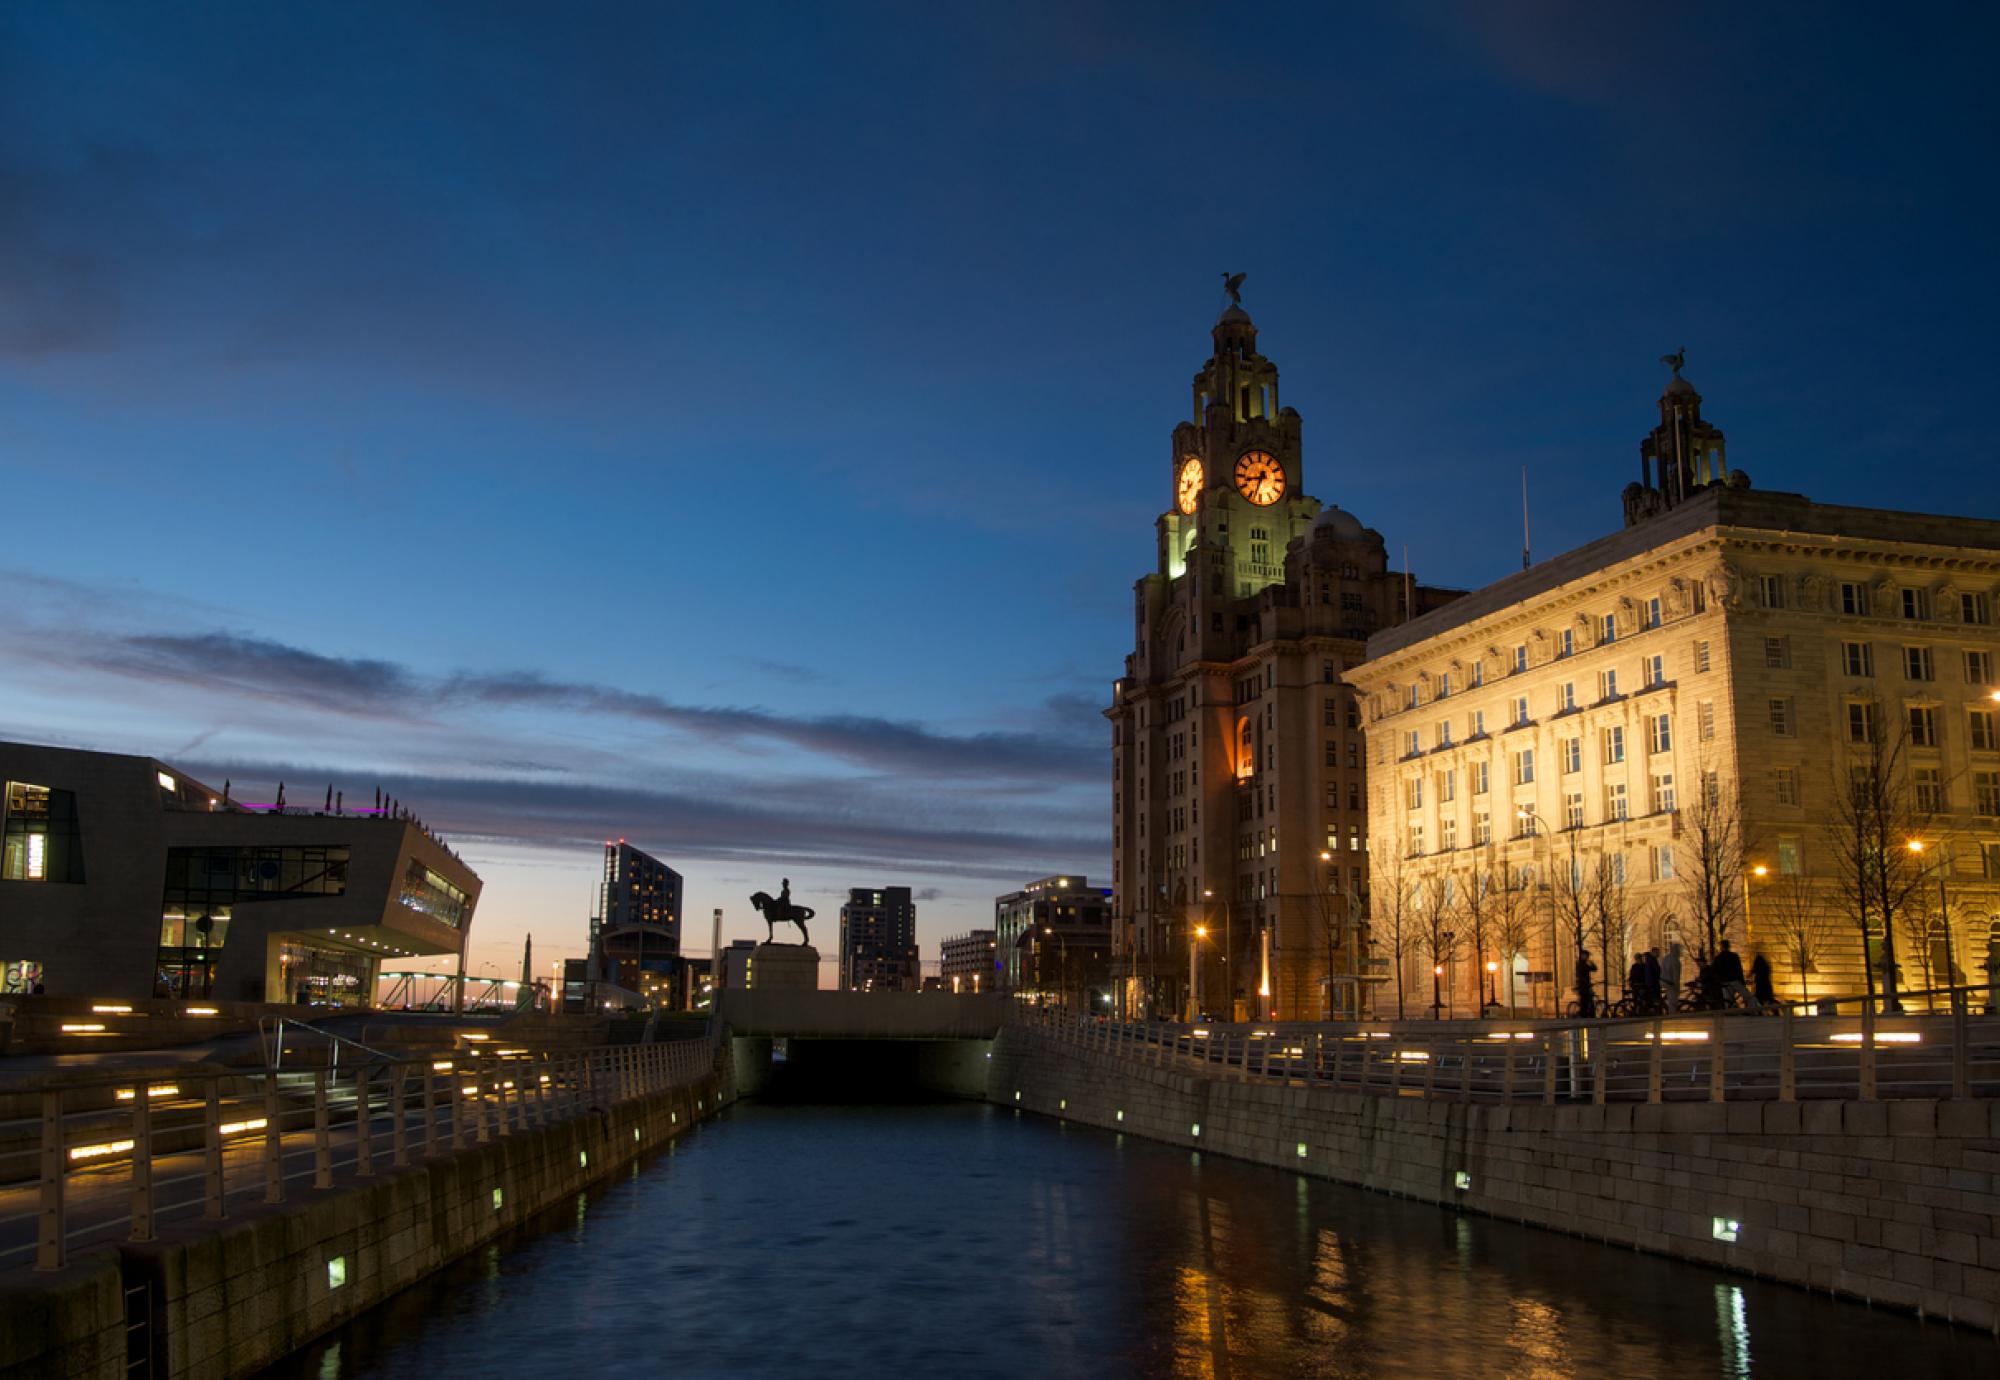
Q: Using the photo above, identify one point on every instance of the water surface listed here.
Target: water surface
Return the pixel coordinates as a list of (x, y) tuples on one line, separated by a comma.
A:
[(955, 1239)]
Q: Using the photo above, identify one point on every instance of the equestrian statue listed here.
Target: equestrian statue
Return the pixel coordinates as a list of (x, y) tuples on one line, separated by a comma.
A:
[(779, 910)]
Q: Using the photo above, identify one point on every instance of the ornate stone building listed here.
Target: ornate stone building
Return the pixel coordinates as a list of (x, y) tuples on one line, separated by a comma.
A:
[(1659, 737), (1238, 816)]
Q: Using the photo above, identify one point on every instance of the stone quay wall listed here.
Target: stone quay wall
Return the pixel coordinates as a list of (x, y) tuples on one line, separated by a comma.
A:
[(229, 1298), (1890, 1202)]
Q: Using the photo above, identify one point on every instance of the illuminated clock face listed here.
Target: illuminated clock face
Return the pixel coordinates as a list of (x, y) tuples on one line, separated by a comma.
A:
[(1260, 478), (1187, 489)]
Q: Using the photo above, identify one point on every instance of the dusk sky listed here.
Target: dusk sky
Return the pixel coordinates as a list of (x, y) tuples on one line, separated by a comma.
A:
[(737, 428)]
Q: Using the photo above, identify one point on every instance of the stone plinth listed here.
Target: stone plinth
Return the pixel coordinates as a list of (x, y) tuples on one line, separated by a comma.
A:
[(766, 966)]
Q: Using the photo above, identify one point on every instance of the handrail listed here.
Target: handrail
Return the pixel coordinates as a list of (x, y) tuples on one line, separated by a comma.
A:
[(432, 1106), (1699, 1056), (277, 1051)]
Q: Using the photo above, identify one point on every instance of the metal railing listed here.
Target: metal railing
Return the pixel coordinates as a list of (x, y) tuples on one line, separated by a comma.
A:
[(1698, 1057), (195, 1144), (271, 1031)]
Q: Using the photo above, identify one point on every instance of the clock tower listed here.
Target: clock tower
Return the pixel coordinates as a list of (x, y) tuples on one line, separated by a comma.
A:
[(1239, 862)]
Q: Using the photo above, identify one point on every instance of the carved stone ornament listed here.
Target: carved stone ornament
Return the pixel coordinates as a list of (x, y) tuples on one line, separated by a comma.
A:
[(1725, 585), (1813, 590)]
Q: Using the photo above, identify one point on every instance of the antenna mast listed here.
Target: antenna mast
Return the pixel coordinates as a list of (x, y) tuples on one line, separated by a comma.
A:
[(1524, 517)]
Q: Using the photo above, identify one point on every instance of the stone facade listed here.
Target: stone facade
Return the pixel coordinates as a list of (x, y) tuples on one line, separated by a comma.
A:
[(1634, 729), (1238, 823)]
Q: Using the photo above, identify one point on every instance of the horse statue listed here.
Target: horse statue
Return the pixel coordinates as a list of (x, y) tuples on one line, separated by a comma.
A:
[(780, 909)]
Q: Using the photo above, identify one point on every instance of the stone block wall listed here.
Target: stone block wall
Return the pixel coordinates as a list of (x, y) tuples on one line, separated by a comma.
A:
[(230, 1298), (1894, 1203)]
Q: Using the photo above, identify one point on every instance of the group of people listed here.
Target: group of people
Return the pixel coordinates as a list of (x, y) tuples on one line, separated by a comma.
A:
[(1654, 981)]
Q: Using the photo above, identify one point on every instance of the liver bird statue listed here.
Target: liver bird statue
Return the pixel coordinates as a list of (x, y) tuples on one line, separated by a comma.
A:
[(1232, 283)]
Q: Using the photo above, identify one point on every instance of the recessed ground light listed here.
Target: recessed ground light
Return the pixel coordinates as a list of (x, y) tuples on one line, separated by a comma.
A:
[(1461, 1180), (1724, 1228)]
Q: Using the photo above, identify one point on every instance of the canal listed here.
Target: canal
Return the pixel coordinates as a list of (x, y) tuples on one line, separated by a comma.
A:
[(956, 1239)]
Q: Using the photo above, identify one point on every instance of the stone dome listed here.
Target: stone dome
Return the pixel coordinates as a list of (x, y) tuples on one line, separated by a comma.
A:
[(1234, 315), (1678, 385), (1338, 521)]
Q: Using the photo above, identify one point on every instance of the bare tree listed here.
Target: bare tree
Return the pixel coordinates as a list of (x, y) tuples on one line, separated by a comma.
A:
[(1618, 915), (1437, 932), (1709, 856), (1804, 923), (1574, 892), (1877, 811), (1337, 912), (1513, 917), (1476, 907), (1392, 912)]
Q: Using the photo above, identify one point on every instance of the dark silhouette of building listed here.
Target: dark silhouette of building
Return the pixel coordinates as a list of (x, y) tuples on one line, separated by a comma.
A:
[(878, 941), (636, 934)]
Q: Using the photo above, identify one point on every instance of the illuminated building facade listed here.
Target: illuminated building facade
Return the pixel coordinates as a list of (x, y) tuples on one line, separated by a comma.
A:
[(878, 941), (123, 877), (1615, 742), (1236, 740), (970, 963), (1053, 940)]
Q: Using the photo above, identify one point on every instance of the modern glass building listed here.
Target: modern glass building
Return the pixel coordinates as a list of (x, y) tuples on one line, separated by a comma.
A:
[(123, 877)]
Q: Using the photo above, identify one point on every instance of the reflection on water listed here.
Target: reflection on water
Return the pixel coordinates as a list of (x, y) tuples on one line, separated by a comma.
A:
[(961, 1240)]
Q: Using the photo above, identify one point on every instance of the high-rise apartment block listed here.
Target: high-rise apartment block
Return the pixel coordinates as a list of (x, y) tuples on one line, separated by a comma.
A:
[(969, 963), (878, 941), (636, 936), (1238, 819), (1744, 716)]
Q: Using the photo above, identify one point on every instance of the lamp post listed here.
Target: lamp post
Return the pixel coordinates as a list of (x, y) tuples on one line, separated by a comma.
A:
[(1492, 982), (1917, 846), (1062, 961), (1228, 928), (1323, 897), (1195, 936), (1526, 814)]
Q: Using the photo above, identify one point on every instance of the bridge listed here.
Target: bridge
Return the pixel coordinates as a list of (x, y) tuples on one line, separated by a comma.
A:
[(805, 1042)]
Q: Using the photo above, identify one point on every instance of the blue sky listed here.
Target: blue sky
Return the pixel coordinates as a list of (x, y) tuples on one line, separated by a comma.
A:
[(737, 428)]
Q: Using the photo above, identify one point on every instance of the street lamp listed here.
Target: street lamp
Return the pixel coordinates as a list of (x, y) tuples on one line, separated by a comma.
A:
[(1944, 906), (1228, 934), (1062, 960), (1526, 814), (1492, 982), (1195, 936)]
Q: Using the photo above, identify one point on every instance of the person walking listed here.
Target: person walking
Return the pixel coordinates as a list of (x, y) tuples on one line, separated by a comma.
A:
[(1728, 970), (1635, 982), (1670, 979), (1708, 982), (1760, 980), (1586, 995)]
